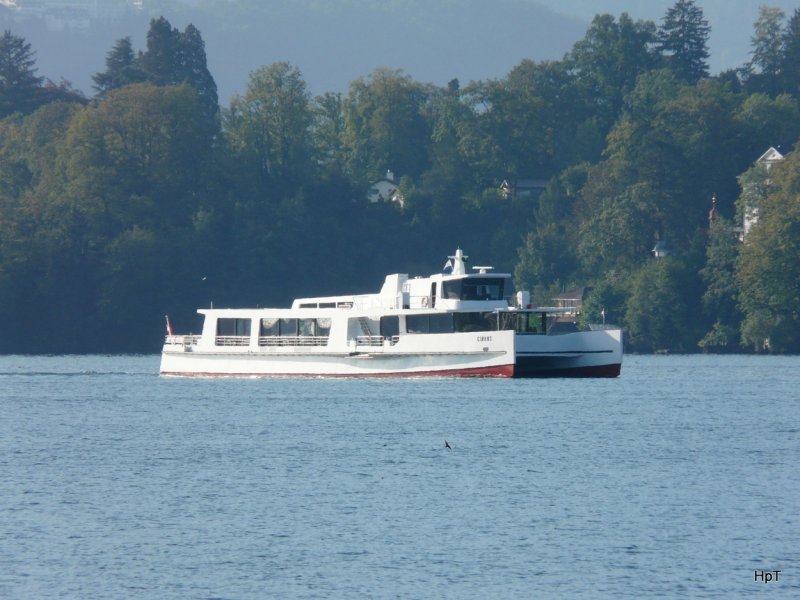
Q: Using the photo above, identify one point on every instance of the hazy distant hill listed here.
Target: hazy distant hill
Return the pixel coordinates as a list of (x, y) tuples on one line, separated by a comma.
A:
[(335, 41), (332, 42)]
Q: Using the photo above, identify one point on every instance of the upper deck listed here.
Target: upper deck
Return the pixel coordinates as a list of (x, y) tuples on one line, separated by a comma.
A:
[(454, 289)]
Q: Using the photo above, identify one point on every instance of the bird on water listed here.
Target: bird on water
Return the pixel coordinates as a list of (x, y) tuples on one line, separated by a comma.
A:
[(446, 445)]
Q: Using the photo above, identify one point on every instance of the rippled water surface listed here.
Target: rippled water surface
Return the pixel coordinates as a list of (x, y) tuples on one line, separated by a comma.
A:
[(680, 478)]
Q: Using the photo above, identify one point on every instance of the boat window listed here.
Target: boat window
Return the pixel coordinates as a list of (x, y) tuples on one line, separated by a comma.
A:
[(475, 321), (521, 322), (288, 326), (307, 327), (268, 327), (309, 305), (233, 327), (477, 288), (390, 326), (327, 304), (323, 327), (417, 324), (442, 323), (430, 323)]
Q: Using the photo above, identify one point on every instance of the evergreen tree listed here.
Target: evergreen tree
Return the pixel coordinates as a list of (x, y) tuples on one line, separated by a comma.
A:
[(20, 87), (767, 41), (173, 58), (121, 69), (161, 62), (790, 61), (194, 70), (683, 40)]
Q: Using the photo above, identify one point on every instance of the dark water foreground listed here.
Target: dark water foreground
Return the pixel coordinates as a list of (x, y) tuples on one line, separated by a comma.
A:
[(680, 478)]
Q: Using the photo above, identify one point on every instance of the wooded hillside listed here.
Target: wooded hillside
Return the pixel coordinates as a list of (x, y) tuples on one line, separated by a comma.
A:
[(150, 199)]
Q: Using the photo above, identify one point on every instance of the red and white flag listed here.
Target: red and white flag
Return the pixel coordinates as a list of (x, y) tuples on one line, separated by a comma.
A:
[(169, 327)]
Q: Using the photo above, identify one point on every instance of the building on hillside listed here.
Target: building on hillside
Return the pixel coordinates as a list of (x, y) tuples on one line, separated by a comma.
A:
[(386, 189), (523, 189), (713, 214), (662, 249), (750, 212)]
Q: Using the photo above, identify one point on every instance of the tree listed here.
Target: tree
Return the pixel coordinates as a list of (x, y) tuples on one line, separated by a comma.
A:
[(668, 143), (161, 61), (661, 312), (121, 69), (548, 254), (683, 40), (194, 70), (720, 299), (20, 87), (767, 43), (768, 270), (763, 122), (270, 126), (608, 60), (790, 61), (172, 58), (142, 156), (385, 126), (328, 127)]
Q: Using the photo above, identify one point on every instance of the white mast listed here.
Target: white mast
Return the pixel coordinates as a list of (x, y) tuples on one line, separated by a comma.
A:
[(459, 261)]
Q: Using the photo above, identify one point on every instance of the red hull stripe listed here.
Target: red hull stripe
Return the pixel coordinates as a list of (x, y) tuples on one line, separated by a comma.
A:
[(499, 371)]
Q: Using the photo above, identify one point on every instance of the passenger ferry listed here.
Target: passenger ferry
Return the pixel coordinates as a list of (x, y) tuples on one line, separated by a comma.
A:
[(452, 323)]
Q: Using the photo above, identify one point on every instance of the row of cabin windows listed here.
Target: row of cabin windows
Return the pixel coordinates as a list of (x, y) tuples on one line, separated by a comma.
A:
[(390, 325), (465, 322), (295, 327), (275, 327)]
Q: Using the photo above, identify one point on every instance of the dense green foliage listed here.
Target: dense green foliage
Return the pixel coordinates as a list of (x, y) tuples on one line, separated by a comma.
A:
[(150, 200)]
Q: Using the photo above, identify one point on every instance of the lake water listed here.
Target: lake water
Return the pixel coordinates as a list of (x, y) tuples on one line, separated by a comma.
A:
[(680, 478)]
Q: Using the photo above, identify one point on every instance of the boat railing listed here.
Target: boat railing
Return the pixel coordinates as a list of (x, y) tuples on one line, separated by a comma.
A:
[(369, 340), (182, 340), (293, 340), (232, 340)]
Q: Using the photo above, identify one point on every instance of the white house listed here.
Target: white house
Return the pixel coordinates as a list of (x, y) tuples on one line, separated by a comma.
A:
[(523, 188), (386, 189), (750, 215)]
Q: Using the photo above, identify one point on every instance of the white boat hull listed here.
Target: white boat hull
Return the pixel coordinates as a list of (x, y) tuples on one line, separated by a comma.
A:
[(501, 354), (464, 354), (579, 354)]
